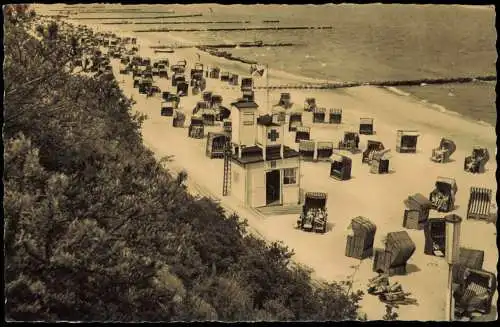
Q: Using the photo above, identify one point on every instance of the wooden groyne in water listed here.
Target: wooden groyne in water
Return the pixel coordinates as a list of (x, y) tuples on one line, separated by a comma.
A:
[(114, 11), (177, 22), (138, 17), (226, 46), (235, 29), (54, 16), (226, 55), (418, 82)]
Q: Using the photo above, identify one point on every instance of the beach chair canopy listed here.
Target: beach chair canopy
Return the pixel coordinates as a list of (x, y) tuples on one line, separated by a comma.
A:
[(179, 78), (409, 133), (448, 145), (315, 200), (382, 154), (303, 129), (478, 151), (163, 62), (350, 136), (216, 98), (146, 82), (325, 145), (167, 104), (306, 145), (246, 82), (201, 105), (339, 158), (179, 114), (362, 225), (374, 145), (310, 101), (401, 246), (198, 66), (196, 120), (224, 112), (419, 200), (446, 185), (173, 97)]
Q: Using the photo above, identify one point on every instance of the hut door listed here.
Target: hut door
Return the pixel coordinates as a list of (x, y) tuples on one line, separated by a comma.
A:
[(272, 186), (257, 188)]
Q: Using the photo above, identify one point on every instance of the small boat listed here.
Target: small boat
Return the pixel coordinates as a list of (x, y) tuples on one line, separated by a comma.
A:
[(167, 50)]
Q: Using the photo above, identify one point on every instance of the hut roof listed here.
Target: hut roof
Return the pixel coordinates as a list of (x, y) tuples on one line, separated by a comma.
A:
[(253, 154), (245, 104), (266, 120)]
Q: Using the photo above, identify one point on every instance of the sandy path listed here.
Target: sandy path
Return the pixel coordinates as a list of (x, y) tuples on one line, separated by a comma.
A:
[(378, 197)]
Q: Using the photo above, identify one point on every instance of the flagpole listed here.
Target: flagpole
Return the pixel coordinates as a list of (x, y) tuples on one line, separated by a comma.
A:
[(267, 87)]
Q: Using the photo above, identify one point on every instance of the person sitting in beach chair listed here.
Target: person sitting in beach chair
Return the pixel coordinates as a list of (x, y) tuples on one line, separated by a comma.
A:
[(476, 162), (443, 196), (350, 142)]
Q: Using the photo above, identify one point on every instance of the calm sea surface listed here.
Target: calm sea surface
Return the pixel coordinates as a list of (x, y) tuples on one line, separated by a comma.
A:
[(367, 42)]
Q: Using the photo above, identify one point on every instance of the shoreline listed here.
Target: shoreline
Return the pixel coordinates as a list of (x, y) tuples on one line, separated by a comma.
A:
[(436, 106), (288, 77)]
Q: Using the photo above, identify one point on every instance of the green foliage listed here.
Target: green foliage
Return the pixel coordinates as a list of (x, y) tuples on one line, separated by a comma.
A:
[(97, 229), (390, 313)]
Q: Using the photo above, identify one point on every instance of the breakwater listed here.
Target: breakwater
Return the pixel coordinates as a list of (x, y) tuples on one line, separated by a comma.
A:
[(226, 55), (138, 17), (115, 11), (226, 45), (54, 16), (417, 82), (177, 22), (283, 28)]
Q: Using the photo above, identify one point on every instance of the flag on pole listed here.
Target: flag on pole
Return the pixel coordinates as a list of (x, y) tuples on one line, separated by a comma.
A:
[(199, 58), (257, 70)]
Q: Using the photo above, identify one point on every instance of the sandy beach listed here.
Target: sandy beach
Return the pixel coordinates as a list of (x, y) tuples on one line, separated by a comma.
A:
[(376, 197)]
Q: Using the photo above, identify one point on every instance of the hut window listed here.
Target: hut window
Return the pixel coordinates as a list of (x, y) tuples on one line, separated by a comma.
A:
[(289, 176), (248, 118)]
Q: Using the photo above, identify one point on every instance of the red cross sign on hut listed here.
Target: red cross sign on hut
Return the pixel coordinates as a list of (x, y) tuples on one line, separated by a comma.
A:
[(273, 135)]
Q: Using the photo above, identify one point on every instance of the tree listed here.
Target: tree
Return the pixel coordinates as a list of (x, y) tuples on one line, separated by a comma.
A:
[(390, 313)]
